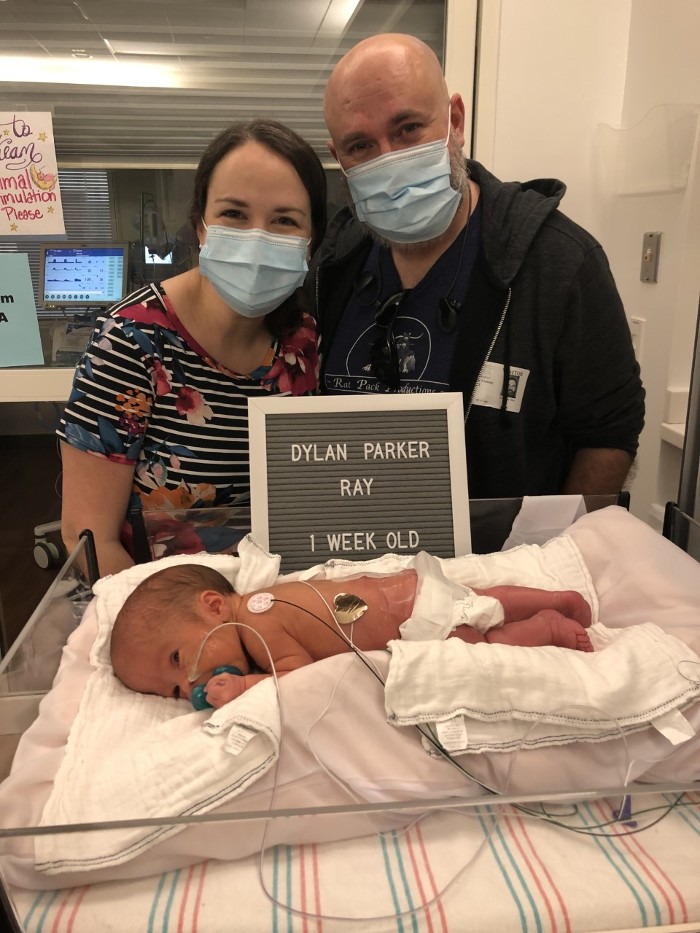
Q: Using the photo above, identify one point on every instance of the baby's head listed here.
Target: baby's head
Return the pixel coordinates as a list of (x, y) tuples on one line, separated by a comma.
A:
[(160, 640)]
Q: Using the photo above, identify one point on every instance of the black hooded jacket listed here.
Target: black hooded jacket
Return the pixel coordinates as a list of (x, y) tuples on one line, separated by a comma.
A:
[(541, 297)]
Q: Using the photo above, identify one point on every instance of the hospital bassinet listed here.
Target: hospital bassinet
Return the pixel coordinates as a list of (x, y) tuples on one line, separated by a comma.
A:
[(479, 865)]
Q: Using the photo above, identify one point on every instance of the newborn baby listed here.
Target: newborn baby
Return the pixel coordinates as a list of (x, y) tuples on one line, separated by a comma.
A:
[(185, 622)]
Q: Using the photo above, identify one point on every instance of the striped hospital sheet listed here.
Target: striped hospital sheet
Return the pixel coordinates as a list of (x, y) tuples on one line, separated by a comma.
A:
[(485, 869)]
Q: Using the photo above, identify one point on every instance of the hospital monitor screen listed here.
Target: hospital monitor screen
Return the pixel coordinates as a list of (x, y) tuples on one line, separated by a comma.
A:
[(83, 275)]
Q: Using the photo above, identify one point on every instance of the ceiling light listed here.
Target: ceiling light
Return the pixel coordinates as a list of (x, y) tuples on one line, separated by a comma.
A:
[(80, 70), (338, 16)]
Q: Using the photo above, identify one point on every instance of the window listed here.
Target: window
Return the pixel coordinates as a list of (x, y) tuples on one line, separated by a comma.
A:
[(86, 212)]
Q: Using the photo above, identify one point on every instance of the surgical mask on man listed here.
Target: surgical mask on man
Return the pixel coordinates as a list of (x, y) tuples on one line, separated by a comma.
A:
[(252, 270), (406, 196)]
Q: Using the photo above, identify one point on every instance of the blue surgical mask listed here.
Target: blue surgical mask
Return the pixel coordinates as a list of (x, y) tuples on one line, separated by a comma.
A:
[(253, 271), (406, 196)]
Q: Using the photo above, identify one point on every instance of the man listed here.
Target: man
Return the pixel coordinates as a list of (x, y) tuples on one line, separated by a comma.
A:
[(439, 277)]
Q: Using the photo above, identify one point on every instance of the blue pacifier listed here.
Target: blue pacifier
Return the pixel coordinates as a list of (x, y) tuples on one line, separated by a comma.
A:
[(199, 697)]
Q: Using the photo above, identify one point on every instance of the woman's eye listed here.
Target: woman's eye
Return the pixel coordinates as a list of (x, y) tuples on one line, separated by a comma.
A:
[(175, 657), (287, 222)]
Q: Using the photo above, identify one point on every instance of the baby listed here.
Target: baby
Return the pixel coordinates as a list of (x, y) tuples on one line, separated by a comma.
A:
[(168, 637)]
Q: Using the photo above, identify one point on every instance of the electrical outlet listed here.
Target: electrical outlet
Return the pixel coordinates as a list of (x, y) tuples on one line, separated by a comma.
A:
[(637, 331)]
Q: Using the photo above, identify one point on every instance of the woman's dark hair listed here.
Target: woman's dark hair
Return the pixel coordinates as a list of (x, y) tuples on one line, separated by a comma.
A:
[(290, 146)]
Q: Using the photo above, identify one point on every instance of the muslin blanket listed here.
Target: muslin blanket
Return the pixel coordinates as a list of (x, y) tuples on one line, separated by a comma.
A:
[(499, 698), (165, 758)]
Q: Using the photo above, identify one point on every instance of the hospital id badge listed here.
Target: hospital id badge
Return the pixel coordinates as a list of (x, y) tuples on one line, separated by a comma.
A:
[(489, 387)]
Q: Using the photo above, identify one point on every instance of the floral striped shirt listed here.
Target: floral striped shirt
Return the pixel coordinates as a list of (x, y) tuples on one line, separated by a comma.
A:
[(145, 394)]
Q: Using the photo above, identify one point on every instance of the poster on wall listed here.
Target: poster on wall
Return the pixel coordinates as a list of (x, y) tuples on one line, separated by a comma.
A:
[(30, 196), (20, 342), (358, 477)]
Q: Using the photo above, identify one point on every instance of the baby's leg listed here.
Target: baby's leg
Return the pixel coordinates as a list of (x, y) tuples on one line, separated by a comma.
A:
[(547, 627), (524, 602)]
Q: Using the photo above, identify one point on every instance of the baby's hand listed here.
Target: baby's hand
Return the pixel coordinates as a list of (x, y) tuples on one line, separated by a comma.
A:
[(222, 688)]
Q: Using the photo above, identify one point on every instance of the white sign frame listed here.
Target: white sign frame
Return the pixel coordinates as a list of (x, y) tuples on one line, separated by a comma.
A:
[(451, 403)]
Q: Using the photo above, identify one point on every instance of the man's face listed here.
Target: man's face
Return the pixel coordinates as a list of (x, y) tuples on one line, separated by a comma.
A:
[(458, 180), (386, 103), (366, 136), (390, 102)]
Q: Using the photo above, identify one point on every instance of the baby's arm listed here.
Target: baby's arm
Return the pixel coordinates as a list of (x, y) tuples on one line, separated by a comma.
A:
[(287, 655), (222, 688)]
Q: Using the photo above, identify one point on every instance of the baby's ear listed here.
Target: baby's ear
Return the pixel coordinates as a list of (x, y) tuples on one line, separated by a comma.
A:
[(213, 602)]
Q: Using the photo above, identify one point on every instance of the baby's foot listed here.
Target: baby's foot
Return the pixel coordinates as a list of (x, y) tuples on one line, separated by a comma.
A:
[(547, 627), (572, 605), (565, 632)]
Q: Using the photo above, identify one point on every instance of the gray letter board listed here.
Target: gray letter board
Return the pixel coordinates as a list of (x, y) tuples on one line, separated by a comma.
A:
[(357, 477)]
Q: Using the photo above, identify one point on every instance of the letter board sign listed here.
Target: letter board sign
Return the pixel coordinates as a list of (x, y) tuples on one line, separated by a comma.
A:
[(357, 477)]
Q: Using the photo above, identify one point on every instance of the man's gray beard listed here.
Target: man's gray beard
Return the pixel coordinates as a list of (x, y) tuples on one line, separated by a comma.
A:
[(459, 179)]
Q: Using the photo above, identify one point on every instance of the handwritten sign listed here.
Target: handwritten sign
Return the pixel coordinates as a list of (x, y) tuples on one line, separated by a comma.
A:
[(20, 342), (358, 476), (30, 196)]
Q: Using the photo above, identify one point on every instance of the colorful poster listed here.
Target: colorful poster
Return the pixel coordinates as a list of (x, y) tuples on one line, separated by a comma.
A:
[(30, 196), (20, 342)]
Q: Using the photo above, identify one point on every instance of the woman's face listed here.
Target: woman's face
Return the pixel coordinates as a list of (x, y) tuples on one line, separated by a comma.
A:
[(254, 188)]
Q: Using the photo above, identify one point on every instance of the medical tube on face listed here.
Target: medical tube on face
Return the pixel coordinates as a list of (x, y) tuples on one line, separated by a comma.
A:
[(194, 674)]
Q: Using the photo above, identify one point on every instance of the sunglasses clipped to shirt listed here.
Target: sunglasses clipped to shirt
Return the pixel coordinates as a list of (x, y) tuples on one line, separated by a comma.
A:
[(384, 364)]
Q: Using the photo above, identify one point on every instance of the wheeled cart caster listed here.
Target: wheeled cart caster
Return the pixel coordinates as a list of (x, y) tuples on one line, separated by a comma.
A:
[(47, 553)]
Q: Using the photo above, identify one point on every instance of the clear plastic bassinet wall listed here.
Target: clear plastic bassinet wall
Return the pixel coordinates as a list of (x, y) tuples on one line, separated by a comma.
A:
[(114, 808)]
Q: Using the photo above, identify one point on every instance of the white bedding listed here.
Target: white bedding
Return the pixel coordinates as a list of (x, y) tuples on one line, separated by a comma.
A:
[(638, 577)]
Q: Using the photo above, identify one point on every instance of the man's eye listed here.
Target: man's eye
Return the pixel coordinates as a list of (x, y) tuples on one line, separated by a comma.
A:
[(175, 657)]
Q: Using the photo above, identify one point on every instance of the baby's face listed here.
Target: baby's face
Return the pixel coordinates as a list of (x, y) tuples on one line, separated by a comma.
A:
[(172, 663)]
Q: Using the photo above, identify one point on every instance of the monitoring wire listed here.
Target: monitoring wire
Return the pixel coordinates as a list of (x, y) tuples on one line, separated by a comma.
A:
[(428, 733), (596, 830)]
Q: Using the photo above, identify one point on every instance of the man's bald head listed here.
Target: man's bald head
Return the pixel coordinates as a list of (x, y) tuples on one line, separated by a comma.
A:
[(389, 69), (388, 57)]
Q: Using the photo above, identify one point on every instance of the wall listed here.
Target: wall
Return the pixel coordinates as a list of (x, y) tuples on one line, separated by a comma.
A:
[(549, 75), (663, 68), (560, 70)]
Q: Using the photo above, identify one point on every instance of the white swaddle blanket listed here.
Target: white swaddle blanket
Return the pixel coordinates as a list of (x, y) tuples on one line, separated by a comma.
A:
[(152, 757), (497, 698), (156, 757)]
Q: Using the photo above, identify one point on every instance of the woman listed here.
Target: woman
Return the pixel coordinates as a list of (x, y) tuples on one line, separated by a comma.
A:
[(157, 417)]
